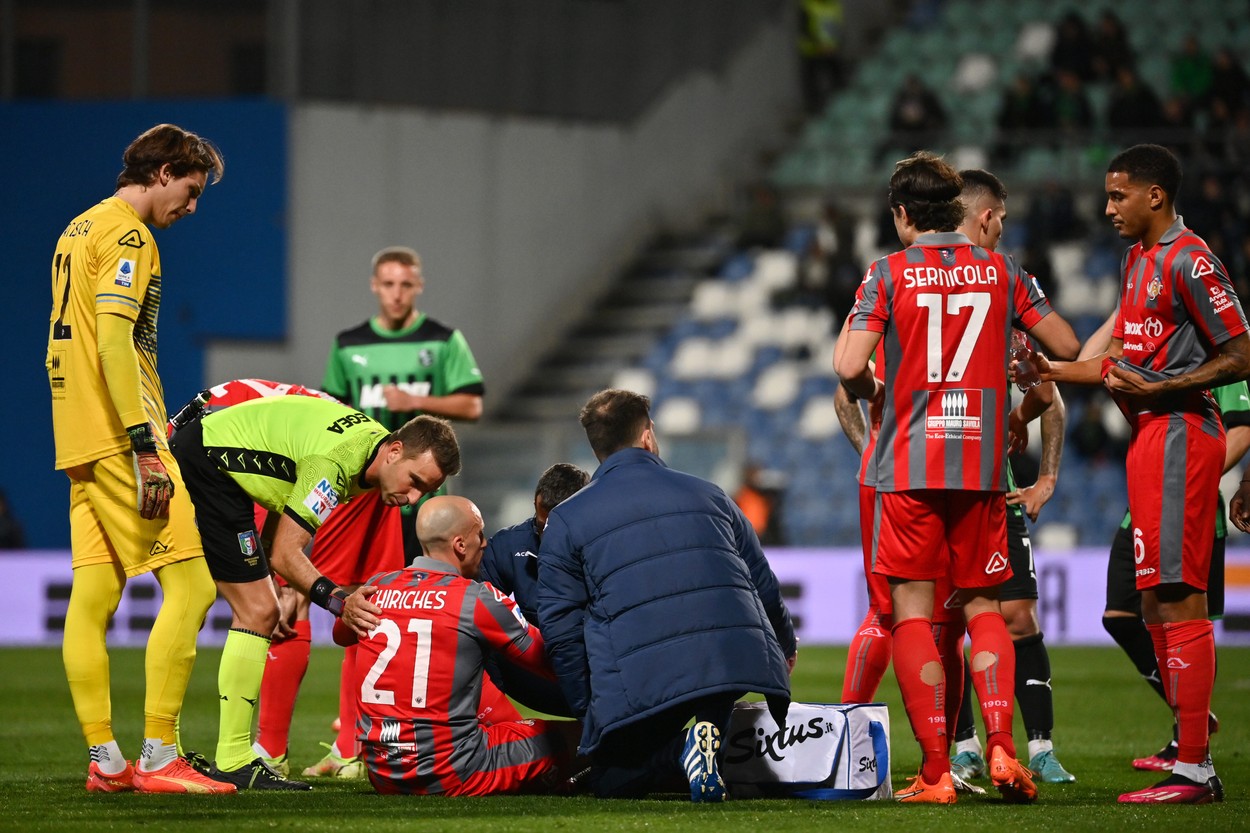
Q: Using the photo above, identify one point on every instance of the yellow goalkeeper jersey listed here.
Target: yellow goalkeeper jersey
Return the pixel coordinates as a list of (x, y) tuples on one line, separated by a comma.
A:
[(105, 262)]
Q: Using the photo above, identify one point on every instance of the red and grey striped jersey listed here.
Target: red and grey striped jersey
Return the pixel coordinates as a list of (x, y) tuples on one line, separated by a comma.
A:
[(867, 469), (1177, 306), (420, 672), (945, 309)]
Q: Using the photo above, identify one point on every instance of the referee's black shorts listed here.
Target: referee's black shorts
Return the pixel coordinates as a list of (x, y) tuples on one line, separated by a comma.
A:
[(224, 513)]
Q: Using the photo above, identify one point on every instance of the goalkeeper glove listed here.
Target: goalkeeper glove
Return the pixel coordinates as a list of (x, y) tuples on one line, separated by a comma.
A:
[(156, 488)]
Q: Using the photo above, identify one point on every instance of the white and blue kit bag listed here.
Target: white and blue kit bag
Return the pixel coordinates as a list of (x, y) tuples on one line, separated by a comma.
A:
[(826, 752)]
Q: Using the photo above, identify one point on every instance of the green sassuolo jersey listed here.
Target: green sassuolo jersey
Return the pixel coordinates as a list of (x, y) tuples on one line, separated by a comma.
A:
[(426, 358), (294, 454)]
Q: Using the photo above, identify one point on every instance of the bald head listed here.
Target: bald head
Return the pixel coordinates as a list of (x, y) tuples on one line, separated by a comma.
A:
[(451, 530)]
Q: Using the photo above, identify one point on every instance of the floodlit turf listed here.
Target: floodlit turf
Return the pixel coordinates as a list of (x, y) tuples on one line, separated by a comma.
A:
[(1105, 716)]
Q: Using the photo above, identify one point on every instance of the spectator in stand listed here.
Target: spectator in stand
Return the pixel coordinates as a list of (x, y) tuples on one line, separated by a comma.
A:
[(759, 497), (1176, 126), (1230, 141), (1211, 211), (1052, 215), (1111, 47), (763, 222), (11, 535), (916, 116), (1133, 108), (1073, 50), (1192, 71), (1090, 438), (1021, 113), (831, 263), (1229, 82), (1069, 106), (820, 43)]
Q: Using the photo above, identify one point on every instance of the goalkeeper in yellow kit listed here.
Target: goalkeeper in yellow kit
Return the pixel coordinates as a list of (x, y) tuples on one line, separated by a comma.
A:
[(129, 513)]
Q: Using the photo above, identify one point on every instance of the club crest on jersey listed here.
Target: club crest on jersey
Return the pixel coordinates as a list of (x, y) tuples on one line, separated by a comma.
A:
[(1202, 267), (322, 499), (247, 542), (948, 256), (953, 415), (125, 273), (1154, 288), (425, 358)]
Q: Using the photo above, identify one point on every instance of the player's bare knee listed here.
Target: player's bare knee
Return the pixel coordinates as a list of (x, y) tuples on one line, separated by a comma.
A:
[(1021, 620), (258, 616)]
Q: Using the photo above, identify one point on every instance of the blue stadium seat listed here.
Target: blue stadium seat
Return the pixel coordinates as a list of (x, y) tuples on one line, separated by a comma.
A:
[(738, 267)]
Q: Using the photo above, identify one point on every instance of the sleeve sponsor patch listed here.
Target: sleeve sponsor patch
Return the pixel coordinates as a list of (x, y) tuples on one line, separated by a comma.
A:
[(322, 499), (125, 275)]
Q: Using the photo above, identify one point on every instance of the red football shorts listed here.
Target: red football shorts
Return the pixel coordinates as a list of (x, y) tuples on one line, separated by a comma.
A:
[(360, 539), (929, 534), (945, 605), (1173, 473), (526, 756)]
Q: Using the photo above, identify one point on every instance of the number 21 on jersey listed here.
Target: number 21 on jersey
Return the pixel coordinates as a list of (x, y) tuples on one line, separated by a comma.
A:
[(422, 630)]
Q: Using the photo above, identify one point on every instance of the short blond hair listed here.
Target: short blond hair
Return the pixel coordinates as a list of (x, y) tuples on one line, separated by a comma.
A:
[(397, 254)]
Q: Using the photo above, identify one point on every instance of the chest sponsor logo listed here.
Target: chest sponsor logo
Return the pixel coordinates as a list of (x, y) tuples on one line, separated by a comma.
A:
[(1219, 299), (1151, 328), (953, 415), (125, 273), (371, 396), (322, 499), (132, 239), (1202, 267)]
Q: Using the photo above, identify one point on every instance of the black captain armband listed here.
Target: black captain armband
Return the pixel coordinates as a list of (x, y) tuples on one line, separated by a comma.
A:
[(325, 593), (141, 439)]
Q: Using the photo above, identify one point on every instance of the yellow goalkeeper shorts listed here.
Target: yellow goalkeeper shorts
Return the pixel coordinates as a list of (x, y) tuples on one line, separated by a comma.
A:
[(104, 522)]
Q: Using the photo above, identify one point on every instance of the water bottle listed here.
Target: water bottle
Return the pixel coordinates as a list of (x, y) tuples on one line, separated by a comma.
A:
[(1027, 375)]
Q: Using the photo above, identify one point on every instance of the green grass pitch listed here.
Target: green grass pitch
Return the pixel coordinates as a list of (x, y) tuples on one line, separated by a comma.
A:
[(1104, 717)]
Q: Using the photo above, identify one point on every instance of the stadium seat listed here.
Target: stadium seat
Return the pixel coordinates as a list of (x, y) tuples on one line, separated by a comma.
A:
[(776, 387), (820, 419), (679, 416), (638, 379)]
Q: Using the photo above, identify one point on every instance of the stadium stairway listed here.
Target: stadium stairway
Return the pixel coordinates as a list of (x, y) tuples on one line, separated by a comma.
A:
[(619, 329)]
